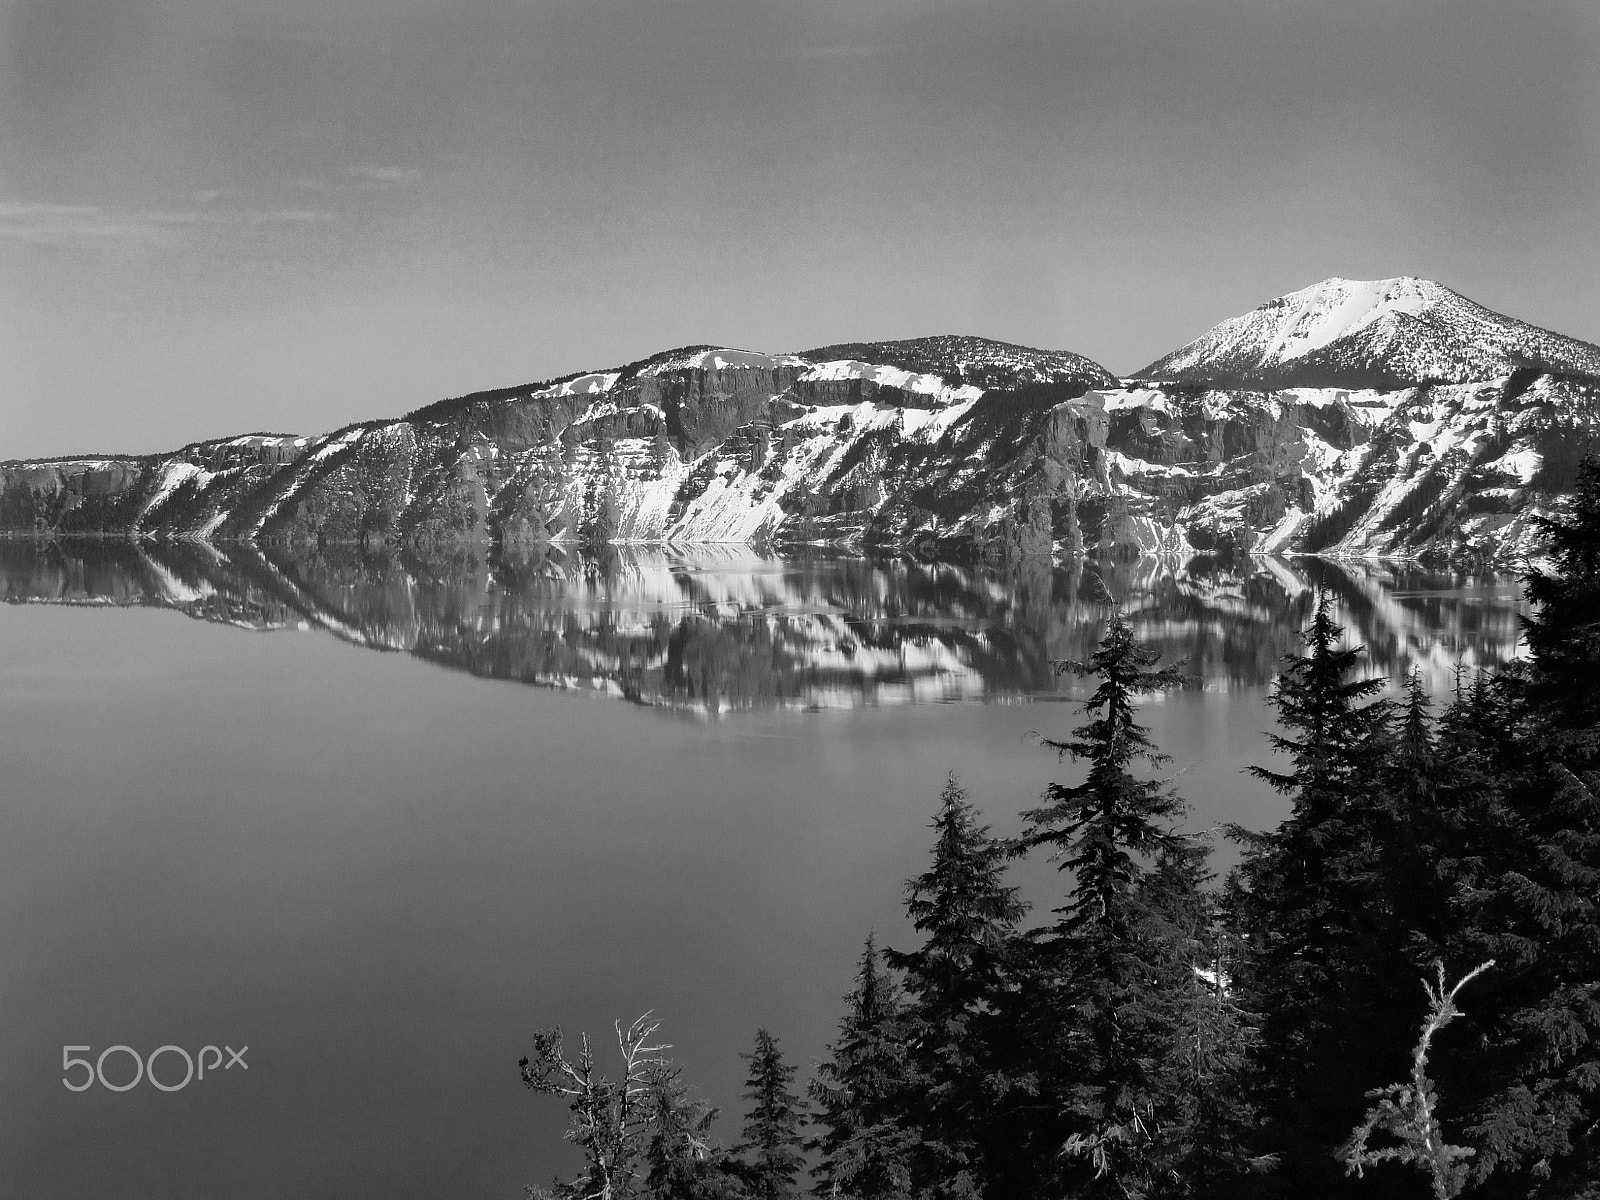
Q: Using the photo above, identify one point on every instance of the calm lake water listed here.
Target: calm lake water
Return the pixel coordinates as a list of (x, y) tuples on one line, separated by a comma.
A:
[(383, 871)]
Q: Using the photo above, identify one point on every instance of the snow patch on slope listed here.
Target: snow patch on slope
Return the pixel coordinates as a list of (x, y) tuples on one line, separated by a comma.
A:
[(723, 358), (895, 377), (1523, 462), (1336, 308), (173, 477), (584, 385)]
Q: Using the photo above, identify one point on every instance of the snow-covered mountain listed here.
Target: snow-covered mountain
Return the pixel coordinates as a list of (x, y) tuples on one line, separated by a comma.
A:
[(694, 446), (1467, 428), (1380, 333)]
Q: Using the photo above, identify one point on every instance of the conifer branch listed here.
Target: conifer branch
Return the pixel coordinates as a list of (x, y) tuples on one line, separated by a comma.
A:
[(1408, 1110)]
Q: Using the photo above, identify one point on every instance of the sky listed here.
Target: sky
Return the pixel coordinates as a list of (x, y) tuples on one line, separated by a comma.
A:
[(228, 216)]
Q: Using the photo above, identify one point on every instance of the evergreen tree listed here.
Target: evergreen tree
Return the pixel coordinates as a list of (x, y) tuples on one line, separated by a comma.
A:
[(772, 1125), (1424, 796), (1100, 827), (1563, 634), (861, 1093), (956, 983), (1528, 886), (660, 451), (1109, 964), (1463, 785), (1207, 1142), (1414, 756), (1462, 838), (681, 1160), (1328, 966), (603, 509)]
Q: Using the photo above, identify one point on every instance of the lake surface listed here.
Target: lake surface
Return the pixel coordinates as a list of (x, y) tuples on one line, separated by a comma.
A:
[(572, 791)]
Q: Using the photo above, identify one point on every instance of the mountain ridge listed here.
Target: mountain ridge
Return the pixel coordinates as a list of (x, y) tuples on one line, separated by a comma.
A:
[(945, 444)]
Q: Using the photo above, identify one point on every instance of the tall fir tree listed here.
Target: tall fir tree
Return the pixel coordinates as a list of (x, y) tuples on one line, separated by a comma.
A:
[(1475, 739), (681, 1161), (772, 1140), (1207, 1139), (1109, 964), (1424, 796), (1528, 887), (862, 1092), (1563, 634), (1328, 967), (957, 985)]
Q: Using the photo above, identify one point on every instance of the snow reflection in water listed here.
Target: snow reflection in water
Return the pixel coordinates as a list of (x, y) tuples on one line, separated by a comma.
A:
[(728, 629)]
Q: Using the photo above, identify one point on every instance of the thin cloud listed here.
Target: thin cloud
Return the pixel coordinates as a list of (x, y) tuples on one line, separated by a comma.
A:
[(272, 216), (91, 224), (839, 52), (302, 38), (69, 224), (357, 176), (387, 176)]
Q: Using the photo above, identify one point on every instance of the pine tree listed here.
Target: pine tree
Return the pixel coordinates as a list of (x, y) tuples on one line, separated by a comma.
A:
[(956, 984), (1207, 1143), (1465, 832), (1327, 952), (1424, 832), (1528, 886), (1099, 827), (772, 1125), (1109, 962), (861, 1093), (603, 510), (1563, 634), (682, 1162), (1475, 740)]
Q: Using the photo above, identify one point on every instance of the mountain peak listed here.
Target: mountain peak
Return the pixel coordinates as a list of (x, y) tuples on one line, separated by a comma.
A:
[(1338, 308), (1358, 333)]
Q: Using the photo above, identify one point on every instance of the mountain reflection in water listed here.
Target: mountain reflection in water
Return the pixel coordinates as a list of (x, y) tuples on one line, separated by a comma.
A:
[(716, 630)]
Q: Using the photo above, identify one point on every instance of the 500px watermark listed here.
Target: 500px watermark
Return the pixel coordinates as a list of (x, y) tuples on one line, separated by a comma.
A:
[(194, 1068)]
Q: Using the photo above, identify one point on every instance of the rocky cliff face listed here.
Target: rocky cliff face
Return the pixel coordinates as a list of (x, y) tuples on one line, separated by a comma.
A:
[(940, 445)]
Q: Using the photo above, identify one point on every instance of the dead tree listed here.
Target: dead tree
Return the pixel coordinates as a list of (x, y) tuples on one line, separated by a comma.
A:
[(1407, 1111), (610, 1121)]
